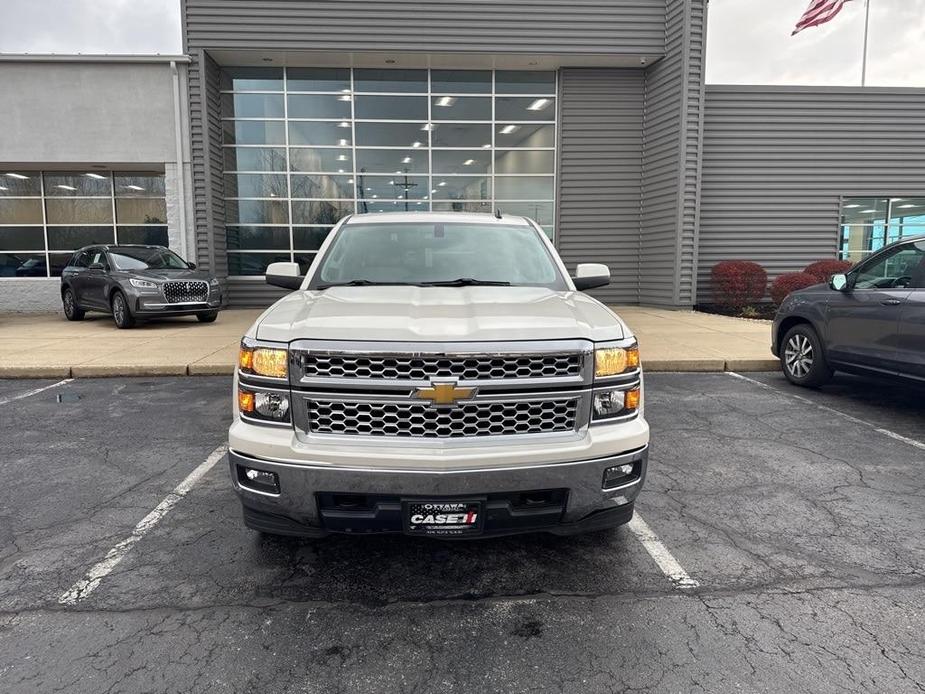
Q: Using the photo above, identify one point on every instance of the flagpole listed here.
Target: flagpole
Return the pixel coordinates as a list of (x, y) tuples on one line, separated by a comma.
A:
[(864, 59)]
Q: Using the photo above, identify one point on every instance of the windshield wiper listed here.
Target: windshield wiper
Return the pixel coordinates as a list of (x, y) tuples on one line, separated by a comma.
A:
[(362, 283), (467, 282)]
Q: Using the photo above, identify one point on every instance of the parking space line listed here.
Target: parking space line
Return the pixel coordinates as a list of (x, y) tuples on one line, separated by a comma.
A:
[(665, 560), (35, 391), (831, 410), (99, 571)]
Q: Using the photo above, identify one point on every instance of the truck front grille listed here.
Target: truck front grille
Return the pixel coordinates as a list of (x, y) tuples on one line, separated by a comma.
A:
[(420, 420), (180, 291), (419, 368)]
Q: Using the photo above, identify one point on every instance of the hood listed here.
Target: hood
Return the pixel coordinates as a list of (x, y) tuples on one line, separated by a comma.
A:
[(438, 314), (169, 274)]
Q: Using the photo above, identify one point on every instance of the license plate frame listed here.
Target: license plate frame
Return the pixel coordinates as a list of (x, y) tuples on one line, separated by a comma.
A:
[(443, 516)]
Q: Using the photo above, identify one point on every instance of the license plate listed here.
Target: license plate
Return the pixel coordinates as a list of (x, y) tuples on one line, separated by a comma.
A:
[(442, 518)]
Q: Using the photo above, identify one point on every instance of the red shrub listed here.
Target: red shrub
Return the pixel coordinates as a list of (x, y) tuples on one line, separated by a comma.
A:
[(790, 282), (822, 270), (738, 283)]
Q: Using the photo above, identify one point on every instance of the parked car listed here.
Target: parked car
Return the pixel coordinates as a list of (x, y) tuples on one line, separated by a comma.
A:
[(870, 320), (437, 374), (137, 282)]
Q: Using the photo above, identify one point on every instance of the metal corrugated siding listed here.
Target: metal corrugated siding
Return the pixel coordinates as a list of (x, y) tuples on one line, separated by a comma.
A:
[(634, 27), (600, 164), (253, 292), (777, 159), (672, 124)]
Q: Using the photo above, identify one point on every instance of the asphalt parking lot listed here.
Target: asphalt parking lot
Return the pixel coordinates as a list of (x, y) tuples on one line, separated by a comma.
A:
[(799, 517)]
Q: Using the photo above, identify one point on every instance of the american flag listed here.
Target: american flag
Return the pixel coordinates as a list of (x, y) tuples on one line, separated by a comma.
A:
[(819, 12)]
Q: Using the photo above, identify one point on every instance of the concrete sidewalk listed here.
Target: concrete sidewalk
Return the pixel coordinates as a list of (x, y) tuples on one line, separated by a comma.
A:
[(48, 346)]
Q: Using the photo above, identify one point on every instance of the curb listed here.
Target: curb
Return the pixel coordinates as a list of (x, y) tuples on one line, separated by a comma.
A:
[(134, 370)]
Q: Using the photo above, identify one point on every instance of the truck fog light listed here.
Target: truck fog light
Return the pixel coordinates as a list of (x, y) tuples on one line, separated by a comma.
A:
[(618, 474), (271, 405), (259, 480)]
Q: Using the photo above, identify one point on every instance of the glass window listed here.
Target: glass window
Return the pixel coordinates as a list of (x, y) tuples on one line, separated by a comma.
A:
[(320, 211), (77, 185), (524, 188), (460, 108), (461, 135), (460, 81), (395, 161), (141, 211), (20, 183), (462, 206), (525, 161), (22, 265), (318, 79), (868, 224), (309, 238), (251, 237), (462, 188), (519, 108), (254, 132), (391, 135), (310, 160), (375, 80), (899, 267), (864, 210), (253, 105), (140, 185), (267, 79), (525, 135), (147, 235), (257, 211), (907, 211), (364, 206), (421, 253), (253, 263), (338, 133), (256, 186), (322, 186), (22, 239), (78, 210), (394, 187), (20, 211), (319, 106), (525, 82), (70, 238), (539, 212), (462, 161), (255, 159), (391, 107), (304, 260)]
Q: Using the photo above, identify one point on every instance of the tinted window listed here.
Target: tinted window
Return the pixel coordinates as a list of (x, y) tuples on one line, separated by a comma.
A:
[(422, 252), (125, 258)]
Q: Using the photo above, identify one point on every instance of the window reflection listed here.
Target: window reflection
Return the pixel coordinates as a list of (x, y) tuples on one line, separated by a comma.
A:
[(868, 224)]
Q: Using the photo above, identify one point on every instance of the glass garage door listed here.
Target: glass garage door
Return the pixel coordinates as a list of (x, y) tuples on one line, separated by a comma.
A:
[(303, 147)]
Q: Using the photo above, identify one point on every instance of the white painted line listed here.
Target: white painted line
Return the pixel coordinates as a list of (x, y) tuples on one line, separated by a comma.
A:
[(666, 562), (831, 410), (99, 571), (35, 391)]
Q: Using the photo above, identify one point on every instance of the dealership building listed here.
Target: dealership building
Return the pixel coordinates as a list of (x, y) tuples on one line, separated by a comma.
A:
[(590, 116)]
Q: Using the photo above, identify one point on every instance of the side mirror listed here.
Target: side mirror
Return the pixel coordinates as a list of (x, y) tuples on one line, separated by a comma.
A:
[(591, 275), (839, 282), (191, 266), (285, 275), (96, 266)]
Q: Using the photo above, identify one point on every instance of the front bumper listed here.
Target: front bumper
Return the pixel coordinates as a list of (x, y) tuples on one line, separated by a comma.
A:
[(154, 305), (575, 500)]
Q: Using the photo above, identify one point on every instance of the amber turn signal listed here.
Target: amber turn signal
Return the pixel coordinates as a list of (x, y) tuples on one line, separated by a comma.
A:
[(245, 401), (632, 398)]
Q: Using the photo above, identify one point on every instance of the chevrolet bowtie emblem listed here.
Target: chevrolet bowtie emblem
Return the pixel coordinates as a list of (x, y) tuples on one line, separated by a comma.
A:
[(444, 394)]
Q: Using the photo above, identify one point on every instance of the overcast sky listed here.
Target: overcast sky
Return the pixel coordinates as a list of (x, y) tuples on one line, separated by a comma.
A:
[(748, 42)]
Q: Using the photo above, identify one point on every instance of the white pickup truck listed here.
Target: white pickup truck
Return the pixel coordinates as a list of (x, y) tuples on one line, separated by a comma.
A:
[(437, 374)]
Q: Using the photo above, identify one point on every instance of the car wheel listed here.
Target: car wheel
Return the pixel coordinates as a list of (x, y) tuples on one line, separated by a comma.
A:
[(120, 312), (208, 317), (71, 310), (802, 358)]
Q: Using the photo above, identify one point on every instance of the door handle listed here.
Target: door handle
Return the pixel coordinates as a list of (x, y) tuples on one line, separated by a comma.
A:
[(891, 302)]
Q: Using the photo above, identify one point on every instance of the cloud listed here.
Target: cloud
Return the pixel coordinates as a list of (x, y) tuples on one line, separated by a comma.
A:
[(749, 42), (90, 26)]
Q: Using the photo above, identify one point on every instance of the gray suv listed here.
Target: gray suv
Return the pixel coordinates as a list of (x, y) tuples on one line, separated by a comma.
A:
[(137, 282), (870, 320)]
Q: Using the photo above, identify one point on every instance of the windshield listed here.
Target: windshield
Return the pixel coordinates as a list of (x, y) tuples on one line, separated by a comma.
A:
[(427, 253), (146, 259)]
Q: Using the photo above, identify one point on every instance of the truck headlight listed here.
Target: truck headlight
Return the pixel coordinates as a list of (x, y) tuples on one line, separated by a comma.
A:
[(271, 406), (264, 361), (142, 284), (613, 361), (607, 404)]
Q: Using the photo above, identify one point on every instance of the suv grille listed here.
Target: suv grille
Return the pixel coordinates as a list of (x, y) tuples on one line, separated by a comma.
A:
[(420, 420), (178, 291), (419, 368)]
